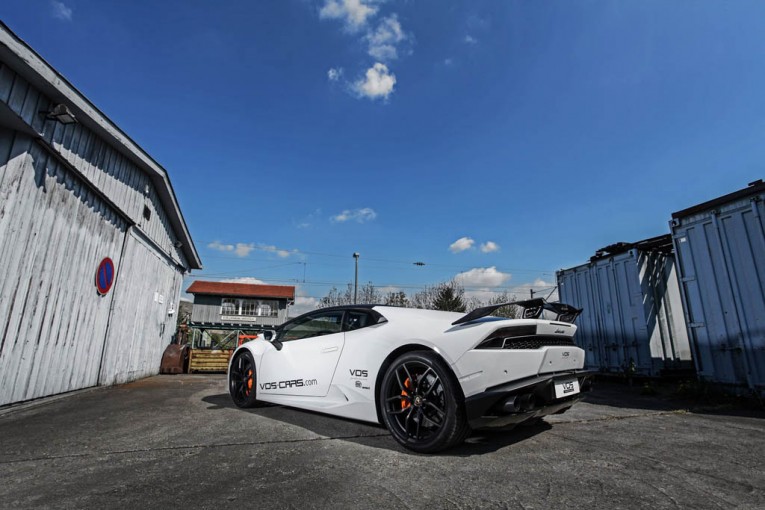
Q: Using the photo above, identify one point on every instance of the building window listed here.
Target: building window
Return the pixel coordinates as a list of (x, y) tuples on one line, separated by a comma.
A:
[(249, 307), (229, 307)]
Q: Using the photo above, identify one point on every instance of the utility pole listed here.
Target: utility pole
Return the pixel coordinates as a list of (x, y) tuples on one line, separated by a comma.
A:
[(356, 279), (531, 291)]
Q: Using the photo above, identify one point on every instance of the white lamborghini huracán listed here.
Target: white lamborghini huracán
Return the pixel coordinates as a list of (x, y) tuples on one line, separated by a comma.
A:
[(428, 376)]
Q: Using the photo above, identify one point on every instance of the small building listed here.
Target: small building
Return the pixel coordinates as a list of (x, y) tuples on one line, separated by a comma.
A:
[(93, 245), (242, 304), (720, 247), (632, 319)]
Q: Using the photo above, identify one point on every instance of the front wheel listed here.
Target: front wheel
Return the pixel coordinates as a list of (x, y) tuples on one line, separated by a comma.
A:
[(241, 380), (422, 405)]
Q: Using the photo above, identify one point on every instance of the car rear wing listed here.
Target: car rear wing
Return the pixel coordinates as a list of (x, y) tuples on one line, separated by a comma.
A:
[(532, 309)]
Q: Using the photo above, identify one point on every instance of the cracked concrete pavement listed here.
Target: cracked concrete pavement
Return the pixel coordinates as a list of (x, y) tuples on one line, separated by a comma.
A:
[(178, 442)]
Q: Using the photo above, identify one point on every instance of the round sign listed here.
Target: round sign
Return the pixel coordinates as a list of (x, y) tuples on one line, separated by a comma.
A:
[(105, 276)]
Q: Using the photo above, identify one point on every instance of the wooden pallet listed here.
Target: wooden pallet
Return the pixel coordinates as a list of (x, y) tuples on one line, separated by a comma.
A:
[(208, 361)]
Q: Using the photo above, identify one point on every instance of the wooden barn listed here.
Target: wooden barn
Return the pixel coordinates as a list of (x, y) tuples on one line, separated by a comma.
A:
[(93, 245)]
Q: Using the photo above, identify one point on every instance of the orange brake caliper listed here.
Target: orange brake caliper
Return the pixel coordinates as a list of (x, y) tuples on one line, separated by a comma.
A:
[(404, 403), (249, 383)]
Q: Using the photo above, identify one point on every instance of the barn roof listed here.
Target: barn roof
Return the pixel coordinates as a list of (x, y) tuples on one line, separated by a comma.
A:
[(32, 67), (242, 290)]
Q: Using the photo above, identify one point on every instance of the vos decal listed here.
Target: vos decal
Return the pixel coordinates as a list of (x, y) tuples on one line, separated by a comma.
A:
[(293, 383)]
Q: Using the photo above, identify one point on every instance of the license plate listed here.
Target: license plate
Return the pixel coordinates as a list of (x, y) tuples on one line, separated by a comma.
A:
[(566, 388)]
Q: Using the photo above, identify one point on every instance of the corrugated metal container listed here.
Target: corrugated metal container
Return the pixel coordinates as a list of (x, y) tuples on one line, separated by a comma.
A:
[(720, 247), (632, 320)]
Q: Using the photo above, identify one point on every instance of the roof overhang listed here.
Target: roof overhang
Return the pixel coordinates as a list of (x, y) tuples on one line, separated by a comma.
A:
[(33, 68)]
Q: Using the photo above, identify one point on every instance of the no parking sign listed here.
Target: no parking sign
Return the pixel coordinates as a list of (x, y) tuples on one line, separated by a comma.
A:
[(105, 276)]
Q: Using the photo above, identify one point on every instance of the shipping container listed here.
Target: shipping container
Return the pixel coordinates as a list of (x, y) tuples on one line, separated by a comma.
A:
[(720, 248), (632, 320)]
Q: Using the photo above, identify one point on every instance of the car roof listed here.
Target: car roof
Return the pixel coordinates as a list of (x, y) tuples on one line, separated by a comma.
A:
[(345, 307)]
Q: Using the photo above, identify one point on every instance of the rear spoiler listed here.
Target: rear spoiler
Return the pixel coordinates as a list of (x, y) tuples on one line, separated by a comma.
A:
[(532, 309)]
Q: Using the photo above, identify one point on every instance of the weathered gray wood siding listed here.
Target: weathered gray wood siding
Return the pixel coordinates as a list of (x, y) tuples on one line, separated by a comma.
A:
[(68, 198), (147, 286), (206, 308), (54, 231), (110, 171)]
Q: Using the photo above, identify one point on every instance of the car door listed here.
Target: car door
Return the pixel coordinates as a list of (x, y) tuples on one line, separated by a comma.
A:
[(306, 363)]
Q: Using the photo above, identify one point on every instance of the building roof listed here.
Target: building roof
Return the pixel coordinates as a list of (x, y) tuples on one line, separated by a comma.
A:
[(752, 189), (33, 68), (242, 290)]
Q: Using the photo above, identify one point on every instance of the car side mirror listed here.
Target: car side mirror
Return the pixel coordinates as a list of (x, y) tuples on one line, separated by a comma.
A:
[(270, 335)]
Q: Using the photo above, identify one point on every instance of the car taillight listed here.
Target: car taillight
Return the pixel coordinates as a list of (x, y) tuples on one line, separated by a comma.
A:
[(497, 339)]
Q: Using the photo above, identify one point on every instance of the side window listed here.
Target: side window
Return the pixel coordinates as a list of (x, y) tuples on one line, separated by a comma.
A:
[(313, 325), (357, 320)]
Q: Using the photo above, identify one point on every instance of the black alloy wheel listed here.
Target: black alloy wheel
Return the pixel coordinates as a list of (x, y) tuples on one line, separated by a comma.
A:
[(422, 404), (241, 380)]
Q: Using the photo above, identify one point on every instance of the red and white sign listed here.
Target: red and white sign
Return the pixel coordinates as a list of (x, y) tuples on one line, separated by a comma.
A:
[(105, 276)]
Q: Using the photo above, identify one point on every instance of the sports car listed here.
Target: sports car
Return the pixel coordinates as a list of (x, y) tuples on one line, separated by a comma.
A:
[(428, 376)]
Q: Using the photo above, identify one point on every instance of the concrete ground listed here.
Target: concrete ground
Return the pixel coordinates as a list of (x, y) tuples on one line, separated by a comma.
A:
[(177, 441)]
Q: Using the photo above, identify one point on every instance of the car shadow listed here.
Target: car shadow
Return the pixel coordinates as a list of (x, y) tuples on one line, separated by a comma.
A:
[(480, 442)]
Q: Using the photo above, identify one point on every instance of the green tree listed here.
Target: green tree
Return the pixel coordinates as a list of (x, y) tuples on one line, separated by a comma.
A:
[(449, 297)]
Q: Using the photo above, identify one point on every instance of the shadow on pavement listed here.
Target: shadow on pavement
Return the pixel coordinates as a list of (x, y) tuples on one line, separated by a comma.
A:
[(376, 436), (662, 396)]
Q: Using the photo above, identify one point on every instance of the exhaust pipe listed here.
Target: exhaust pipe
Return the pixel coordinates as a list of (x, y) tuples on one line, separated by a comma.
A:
[(527, 402), (511, 405)]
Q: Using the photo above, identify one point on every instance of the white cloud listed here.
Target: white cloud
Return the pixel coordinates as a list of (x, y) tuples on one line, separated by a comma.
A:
[(469, 39), (242, 249), (383, 39), (461, 244), (245, 279), (383, 42), (278, 251), (353, 12), (61, 11), (217, 245), (477, 23), (541, 287), (377, 83), (335, 73), (308, 221), (358, 215), (483, 295), (303, 303), (489, 246), (482, 277)]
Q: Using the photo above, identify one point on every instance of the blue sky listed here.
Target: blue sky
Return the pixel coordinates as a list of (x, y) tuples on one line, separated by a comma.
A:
[(497, 140)]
